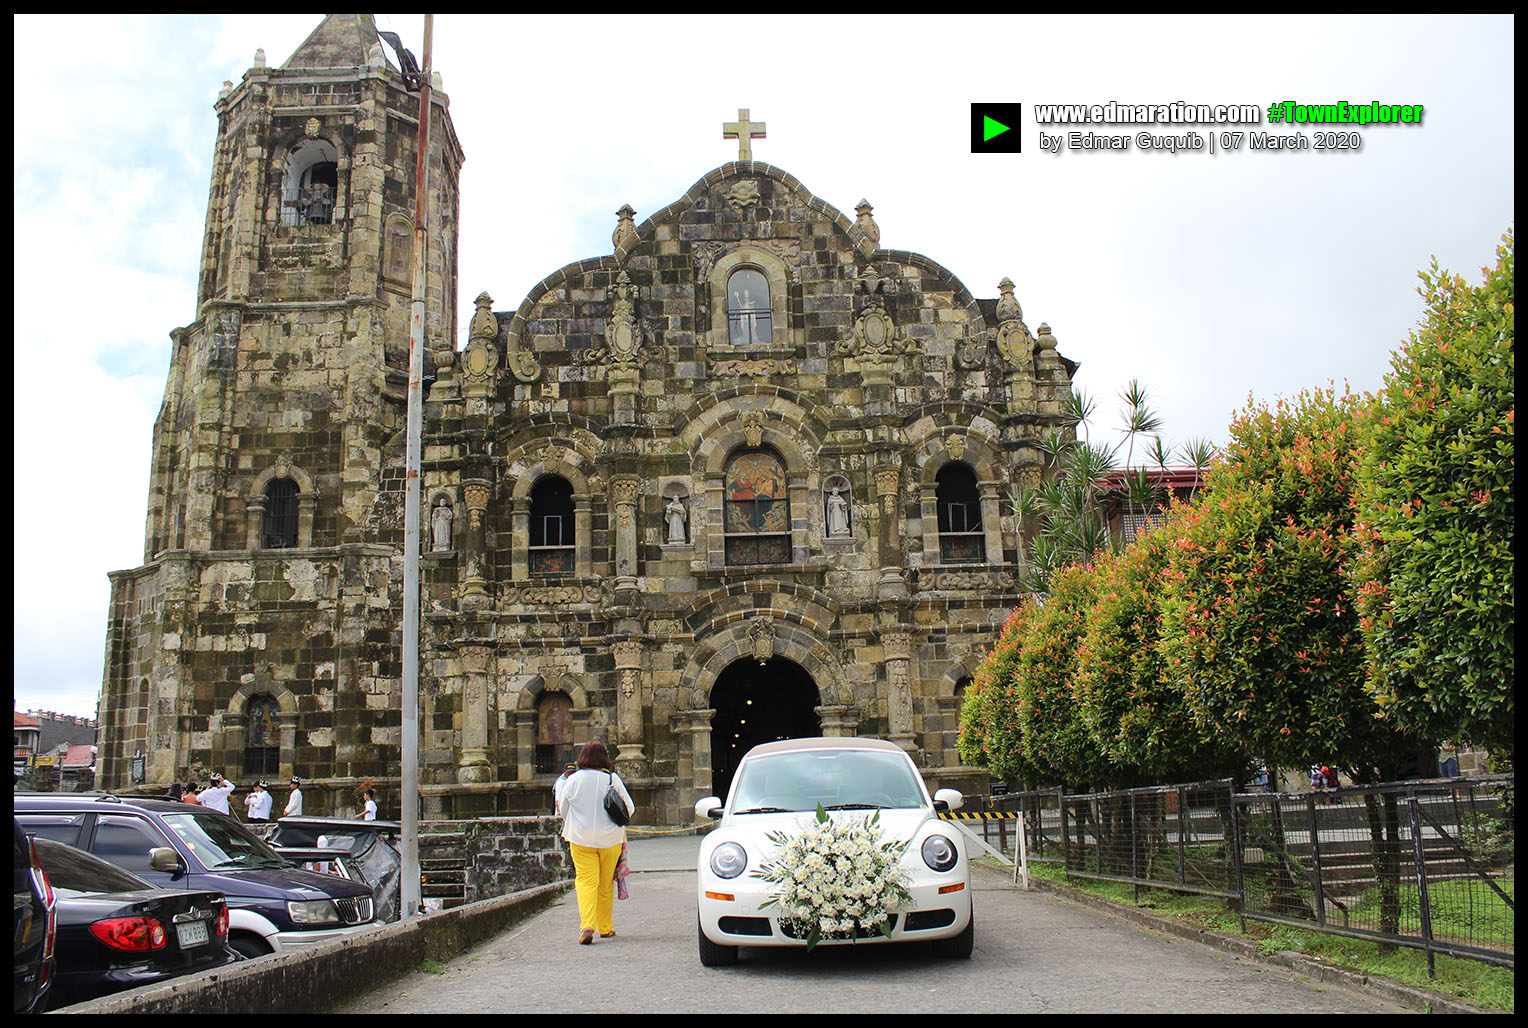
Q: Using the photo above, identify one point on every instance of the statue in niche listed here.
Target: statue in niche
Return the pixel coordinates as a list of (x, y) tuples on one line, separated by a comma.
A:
[(675, 515), (440, 525), (838, 514)]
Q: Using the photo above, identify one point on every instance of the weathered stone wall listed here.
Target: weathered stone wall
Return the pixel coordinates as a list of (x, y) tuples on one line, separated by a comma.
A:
[(617, 375)]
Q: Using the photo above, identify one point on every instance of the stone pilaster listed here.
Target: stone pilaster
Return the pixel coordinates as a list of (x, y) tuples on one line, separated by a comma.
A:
[(693, 727), (888, 490), (472, 764), (623, 492), (474, 594), (629, 702), (897, 648)]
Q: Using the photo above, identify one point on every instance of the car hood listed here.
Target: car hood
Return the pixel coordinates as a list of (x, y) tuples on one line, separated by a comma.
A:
[(282, 882), (896, 825)]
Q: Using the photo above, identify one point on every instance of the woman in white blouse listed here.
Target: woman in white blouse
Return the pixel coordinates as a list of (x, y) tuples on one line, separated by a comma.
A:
[(593, 838)]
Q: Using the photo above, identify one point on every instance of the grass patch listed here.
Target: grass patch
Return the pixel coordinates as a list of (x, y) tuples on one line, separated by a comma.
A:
[(428, 966), (1473, 982)]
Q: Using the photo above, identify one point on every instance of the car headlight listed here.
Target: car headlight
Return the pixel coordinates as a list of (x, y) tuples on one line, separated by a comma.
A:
[(313, 912), (728, 860), (939, 853)]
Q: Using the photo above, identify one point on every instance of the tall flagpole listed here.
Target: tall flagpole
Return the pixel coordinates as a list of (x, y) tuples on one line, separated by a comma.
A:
[(410, 779)]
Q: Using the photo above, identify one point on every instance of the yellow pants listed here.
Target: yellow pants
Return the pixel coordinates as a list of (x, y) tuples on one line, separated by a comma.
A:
[(594, 881)]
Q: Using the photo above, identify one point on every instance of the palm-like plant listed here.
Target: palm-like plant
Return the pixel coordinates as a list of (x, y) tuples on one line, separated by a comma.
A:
[(1068, 503)]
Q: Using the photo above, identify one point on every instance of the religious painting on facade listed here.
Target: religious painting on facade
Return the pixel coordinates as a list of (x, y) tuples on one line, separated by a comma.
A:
[(262, 738), (554, 732), (757, 510)]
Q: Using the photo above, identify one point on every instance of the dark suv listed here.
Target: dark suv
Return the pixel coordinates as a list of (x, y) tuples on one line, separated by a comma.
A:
[(273, 905)]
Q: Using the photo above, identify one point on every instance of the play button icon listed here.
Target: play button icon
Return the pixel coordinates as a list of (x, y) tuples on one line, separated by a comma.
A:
[(996, 128)]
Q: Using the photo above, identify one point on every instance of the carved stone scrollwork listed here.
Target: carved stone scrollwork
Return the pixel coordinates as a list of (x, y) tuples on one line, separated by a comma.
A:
[(743, 368), (753, 427), (553, 595), (1014, 343), (480, 360), (745, 196), (761, 637), (933, 580)]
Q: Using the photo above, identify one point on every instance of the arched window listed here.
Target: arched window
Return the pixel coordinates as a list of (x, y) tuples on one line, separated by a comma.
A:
[(279, 529), (310, 188), (757, 515), (961, 540), (262, 738), (749, 315), (551, 529), (554, 732)]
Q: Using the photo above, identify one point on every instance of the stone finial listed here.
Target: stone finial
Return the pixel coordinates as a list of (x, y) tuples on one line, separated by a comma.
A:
[(484, 325), (1007, 307), (625, 235), (375, 58), (437, 83), (866, 222), (227, 88), (260, 58), (1044, 340)]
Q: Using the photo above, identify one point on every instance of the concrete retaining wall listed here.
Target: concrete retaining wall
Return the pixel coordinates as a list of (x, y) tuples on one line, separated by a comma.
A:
[(337, 971)]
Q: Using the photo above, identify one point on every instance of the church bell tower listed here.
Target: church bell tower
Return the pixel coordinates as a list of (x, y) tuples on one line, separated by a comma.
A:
[(275, 502), (303, 294)]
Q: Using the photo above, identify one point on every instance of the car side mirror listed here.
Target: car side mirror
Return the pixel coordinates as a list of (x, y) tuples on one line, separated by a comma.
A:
[(164, 858), (709, 806), (948, 799)]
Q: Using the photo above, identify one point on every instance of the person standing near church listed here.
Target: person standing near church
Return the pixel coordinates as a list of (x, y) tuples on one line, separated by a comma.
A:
[(294, 800), (594, 840), (369, 807), (215, 796)]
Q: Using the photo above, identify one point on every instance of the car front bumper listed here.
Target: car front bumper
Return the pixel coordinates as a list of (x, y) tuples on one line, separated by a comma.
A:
[(940, 909)]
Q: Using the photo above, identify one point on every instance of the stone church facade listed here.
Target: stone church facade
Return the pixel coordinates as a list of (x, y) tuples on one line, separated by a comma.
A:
[(742, 478)]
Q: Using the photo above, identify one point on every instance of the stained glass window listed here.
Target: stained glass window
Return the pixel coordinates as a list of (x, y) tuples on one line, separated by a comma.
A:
[(961, 540), (757, 510), (551, 536), (748, 311)]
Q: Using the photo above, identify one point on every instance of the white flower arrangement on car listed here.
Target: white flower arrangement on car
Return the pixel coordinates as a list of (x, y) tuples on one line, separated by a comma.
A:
[(836, 879)]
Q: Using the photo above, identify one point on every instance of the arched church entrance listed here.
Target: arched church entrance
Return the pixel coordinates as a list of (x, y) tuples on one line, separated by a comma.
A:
[(756, 703)]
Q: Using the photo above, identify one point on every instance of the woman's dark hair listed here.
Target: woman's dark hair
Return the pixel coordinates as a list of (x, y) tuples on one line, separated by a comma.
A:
[(594, 755), (176, 790)]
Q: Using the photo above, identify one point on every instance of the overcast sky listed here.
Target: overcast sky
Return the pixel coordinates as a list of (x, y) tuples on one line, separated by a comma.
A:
[(1209, 278)]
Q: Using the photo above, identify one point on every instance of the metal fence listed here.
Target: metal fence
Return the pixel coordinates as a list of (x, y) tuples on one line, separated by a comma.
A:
[(1424, 864), (1427, 864)]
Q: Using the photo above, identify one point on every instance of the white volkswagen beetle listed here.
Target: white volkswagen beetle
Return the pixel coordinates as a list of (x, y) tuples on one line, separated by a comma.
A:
[(777, 791)]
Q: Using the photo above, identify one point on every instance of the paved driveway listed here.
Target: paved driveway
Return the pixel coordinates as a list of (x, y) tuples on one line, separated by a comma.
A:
[(1034, 954)]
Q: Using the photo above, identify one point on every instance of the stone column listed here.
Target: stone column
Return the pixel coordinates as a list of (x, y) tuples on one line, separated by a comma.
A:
[(623, 491), (888, 490), (897, 648), (695, 758), (838, 720), (630, 760), (477, 685), (474, 590)]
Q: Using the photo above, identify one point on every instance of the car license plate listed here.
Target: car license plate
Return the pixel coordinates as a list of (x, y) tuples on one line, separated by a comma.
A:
[(193, 933)]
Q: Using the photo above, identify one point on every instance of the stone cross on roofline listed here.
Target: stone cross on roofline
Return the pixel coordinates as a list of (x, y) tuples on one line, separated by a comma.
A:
[(743, 131)]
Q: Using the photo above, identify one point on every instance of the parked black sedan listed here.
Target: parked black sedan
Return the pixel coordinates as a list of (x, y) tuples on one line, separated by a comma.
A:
[(116, 931)]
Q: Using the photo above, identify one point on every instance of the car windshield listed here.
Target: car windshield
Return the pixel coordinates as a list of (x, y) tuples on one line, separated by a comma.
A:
[(836, 779), (220, 842)]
